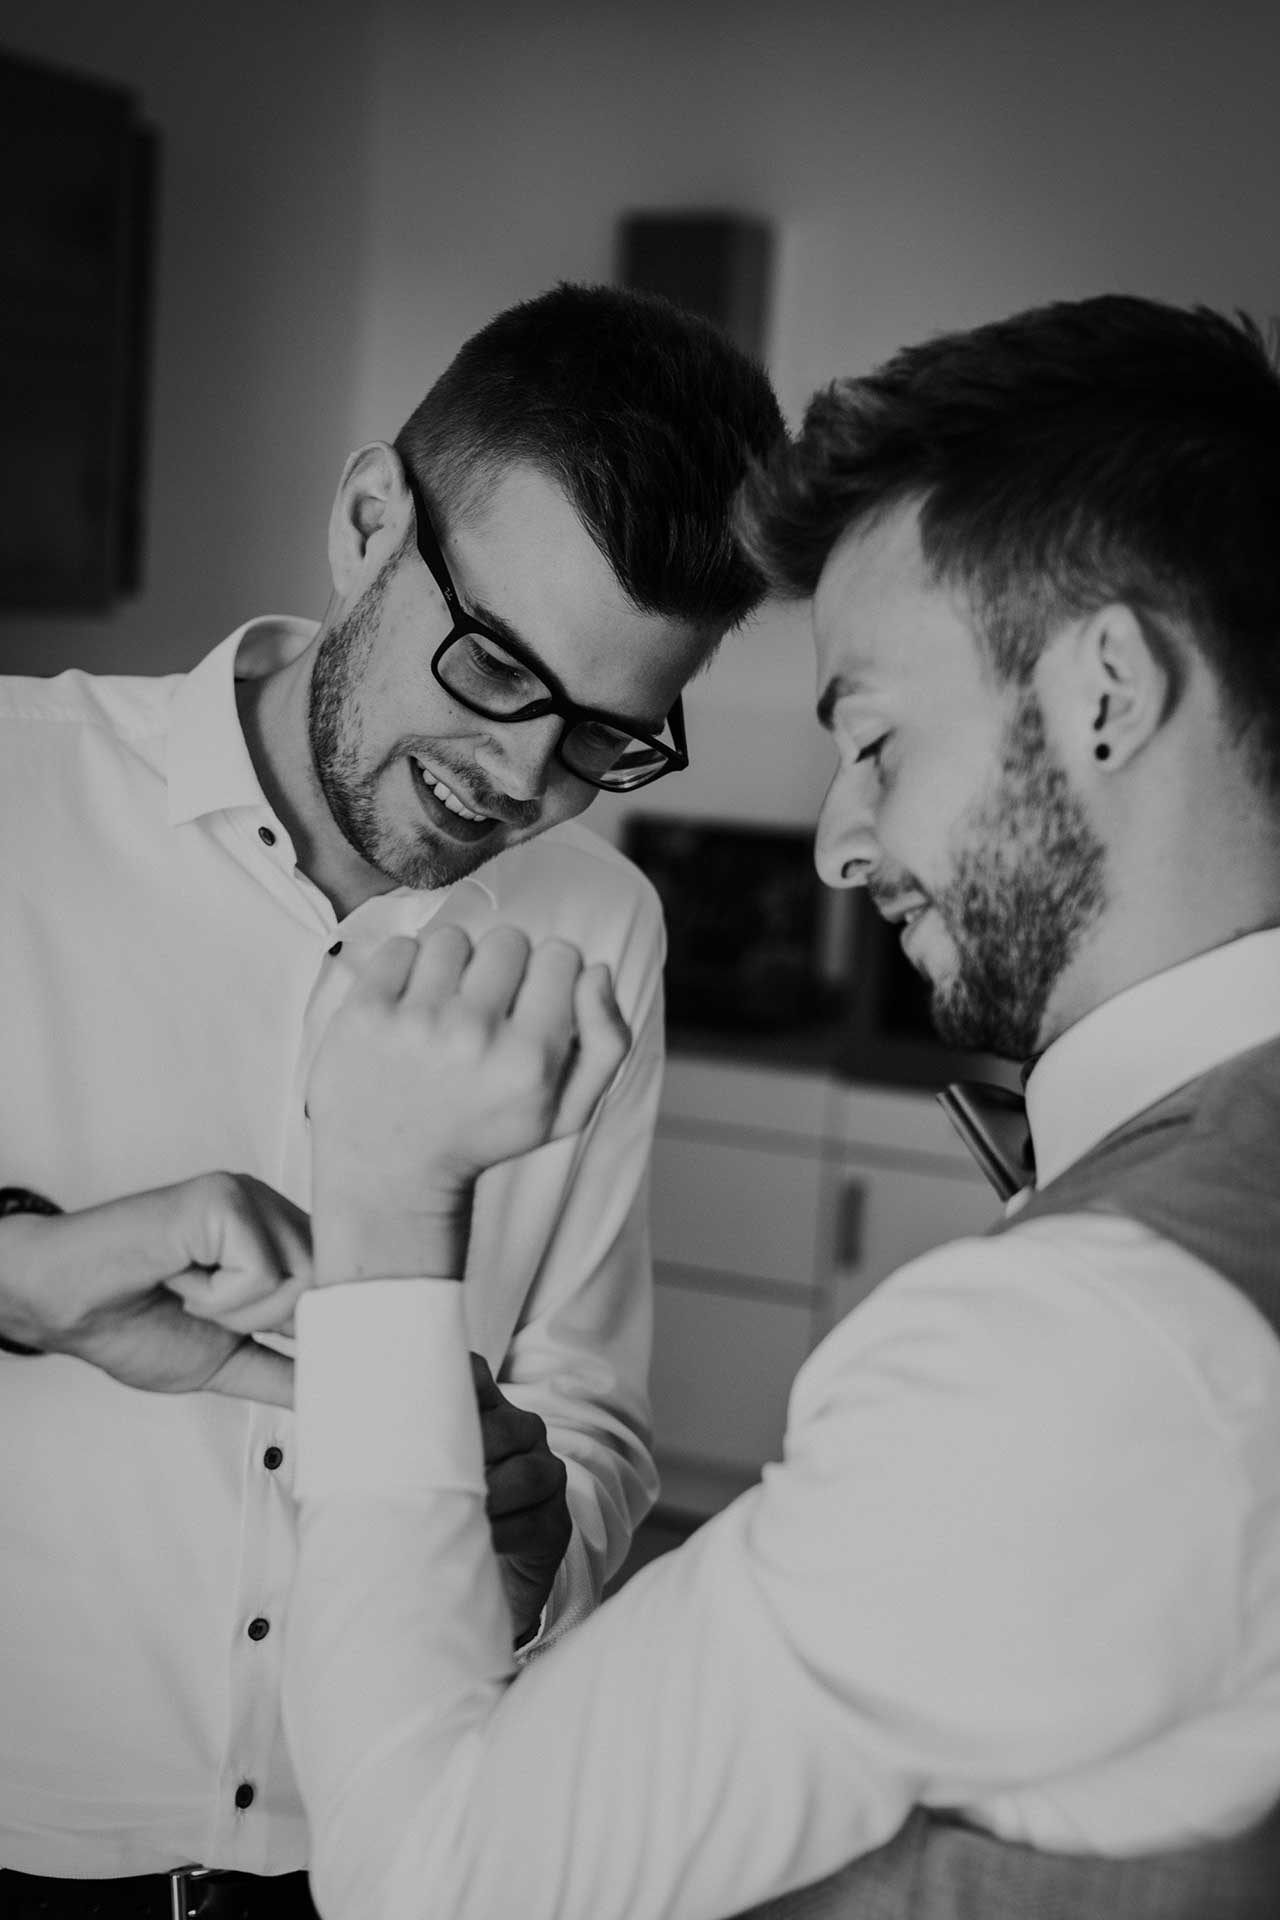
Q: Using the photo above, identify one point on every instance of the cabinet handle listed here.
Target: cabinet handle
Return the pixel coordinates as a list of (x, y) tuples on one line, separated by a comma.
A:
[(849, 1217)]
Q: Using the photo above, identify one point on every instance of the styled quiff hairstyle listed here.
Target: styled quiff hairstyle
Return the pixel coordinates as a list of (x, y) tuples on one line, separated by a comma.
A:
[(646, 416), (1112, 449)]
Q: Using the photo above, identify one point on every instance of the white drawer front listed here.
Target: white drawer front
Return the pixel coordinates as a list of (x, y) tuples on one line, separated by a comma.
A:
[(722, 1371), (738, 1210), (883, 1217)]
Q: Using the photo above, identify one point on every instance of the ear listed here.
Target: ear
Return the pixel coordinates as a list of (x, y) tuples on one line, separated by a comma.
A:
[(1123, 685), (371, 514)]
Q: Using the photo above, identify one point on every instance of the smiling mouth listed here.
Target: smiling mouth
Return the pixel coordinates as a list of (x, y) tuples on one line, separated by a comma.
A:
[(447, 797), (900, 914)]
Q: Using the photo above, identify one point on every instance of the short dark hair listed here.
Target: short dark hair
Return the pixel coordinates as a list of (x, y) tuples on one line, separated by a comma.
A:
[(646, 416), (1107, 449)]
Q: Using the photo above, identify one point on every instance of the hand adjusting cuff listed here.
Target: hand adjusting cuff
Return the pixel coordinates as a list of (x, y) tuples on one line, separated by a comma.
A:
[(22, 1200)]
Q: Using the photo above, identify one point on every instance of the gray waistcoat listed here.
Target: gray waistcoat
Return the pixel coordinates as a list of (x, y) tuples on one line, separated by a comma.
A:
[(1202, 1169)]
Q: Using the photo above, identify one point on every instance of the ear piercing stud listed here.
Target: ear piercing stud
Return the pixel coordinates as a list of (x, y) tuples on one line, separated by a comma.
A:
[(1101, 750)]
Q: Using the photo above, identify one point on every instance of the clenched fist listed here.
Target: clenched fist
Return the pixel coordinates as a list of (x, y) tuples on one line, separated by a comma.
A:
[(445, 1059), (100, 1284)]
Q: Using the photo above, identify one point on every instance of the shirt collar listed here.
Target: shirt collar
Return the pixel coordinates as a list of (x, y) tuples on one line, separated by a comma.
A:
[(1147, 1042), (209, 768)]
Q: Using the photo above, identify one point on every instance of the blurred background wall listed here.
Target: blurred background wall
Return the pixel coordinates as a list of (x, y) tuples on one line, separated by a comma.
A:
[(263, 114), (347, 191)]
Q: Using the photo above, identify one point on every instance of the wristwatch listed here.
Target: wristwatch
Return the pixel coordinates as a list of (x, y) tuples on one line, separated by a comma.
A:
[(22, 1200)]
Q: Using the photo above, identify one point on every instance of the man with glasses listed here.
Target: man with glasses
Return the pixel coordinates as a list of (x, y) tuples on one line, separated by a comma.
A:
[(198, 867), (493, 674)]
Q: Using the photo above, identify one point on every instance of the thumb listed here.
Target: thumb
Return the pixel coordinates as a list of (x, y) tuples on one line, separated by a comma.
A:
[(487, 1394), (254, 1372)]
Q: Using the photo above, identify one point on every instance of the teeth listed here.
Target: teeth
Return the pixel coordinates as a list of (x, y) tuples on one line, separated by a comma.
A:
[(446, 796)]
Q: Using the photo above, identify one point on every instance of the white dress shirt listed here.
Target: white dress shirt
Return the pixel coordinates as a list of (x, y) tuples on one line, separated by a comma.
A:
[(166, 974), (1021, 1559)]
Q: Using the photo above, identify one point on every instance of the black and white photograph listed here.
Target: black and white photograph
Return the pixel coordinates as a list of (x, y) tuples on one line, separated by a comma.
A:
[(640, 960)]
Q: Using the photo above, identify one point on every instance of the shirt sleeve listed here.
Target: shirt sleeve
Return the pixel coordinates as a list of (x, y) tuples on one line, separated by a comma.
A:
[(923, 1602), (579, 1352)]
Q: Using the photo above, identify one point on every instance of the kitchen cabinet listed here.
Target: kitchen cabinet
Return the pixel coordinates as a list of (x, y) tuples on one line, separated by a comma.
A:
[(779, 1200)]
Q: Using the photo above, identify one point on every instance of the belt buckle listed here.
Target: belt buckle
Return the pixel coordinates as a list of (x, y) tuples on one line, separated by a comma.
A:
[(179, 1888)]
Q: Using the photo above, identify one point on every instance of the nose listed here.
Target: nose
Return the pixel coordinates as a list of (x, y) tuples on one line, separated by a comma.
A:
[(518, 758), (845, 846)]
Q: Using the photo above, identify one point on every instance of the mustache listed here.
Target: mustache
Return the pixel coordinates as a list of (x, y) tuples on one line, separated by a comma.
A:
[(885, 891)]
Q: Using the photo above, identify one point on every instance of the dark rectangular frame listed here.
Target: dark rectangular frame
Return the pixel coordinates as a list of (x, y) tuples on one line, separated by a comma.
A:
[(77, 237)]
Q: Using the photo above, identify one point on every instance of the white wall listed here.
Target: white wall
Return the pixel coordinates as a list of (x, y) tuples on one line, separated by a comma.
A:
[(926, 164), (263, 116), (350, 191)]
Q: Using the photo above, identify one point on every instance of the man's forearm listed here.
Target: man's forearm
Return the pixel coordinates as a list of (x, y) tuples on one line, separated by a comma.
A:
[(435, 1785)]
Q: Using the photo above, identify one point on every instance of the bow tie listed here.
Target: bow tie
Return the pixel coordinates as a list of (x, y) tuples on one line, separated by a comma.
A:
[(992, 1122)]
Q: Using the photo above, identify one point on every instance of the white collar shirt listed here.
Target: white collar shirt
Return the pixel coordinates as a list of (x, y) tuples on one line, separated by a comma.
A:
[(167, 973), (1020, 1560), (1148, 1041)]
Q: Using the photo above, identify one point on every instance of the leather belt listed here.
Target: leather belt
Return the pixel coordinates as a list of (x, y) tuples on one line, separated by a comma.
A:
[(188, 1893)]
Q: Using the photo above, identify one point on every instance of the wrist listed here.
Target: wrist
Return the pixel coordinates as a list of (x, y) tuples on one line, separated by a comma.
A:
[(358, 1243), (23, 1208)]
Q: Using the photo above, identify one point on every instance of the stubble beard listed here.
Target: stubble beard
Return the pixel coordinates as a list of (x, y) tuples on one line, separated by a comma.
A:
[(1027, 885), (353, 792)]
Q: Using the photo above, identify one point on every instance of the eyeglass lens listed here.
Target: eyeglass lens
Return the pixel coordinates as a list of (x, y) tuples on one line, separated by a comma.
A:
[(489, 679)]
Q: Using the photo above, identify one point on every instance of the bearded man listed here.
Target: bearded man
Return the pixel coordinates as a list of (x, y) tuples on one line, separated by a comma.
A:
[(999, 1637), (195, 868)]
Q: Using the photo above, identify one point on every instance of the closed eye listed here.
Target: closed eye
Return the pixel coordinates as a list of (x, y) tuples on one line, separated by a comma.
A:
[(485, 659)]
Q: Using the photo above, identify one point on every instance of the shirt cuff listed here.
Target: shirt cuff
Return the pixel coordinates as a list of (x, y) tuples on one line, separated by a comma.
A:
[(383, 1390)]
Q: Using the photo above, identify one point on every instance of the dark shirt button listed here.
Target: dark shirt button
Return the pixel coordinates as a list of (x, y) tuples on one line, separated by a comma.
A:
[(259, 1628), (271, 1459), (266, 836), (244, 1795), (335, 949)]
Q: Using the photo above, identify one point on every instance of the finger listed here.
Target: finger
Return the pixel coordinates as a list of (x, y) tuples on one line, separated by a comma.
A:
[(492, 980), (382, 980), (487, 1394), (253, 1240), (603, 1041), (535, 1534), (441, 955), (253, 1372), (525, 1482), (285, 1225), (508, 1433), (214, 1293), (544, 1012), (255, 1312), (545, 1007)]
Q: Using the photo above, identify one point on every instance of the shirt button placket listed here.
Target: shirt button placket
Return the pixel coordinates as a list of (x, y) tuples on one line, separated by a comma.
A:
[(254, 1677)]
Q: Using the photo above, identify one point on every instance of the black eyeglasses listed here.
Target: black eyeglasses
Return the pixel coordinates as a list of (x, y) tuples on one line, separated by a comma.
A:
[(494, 676)]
